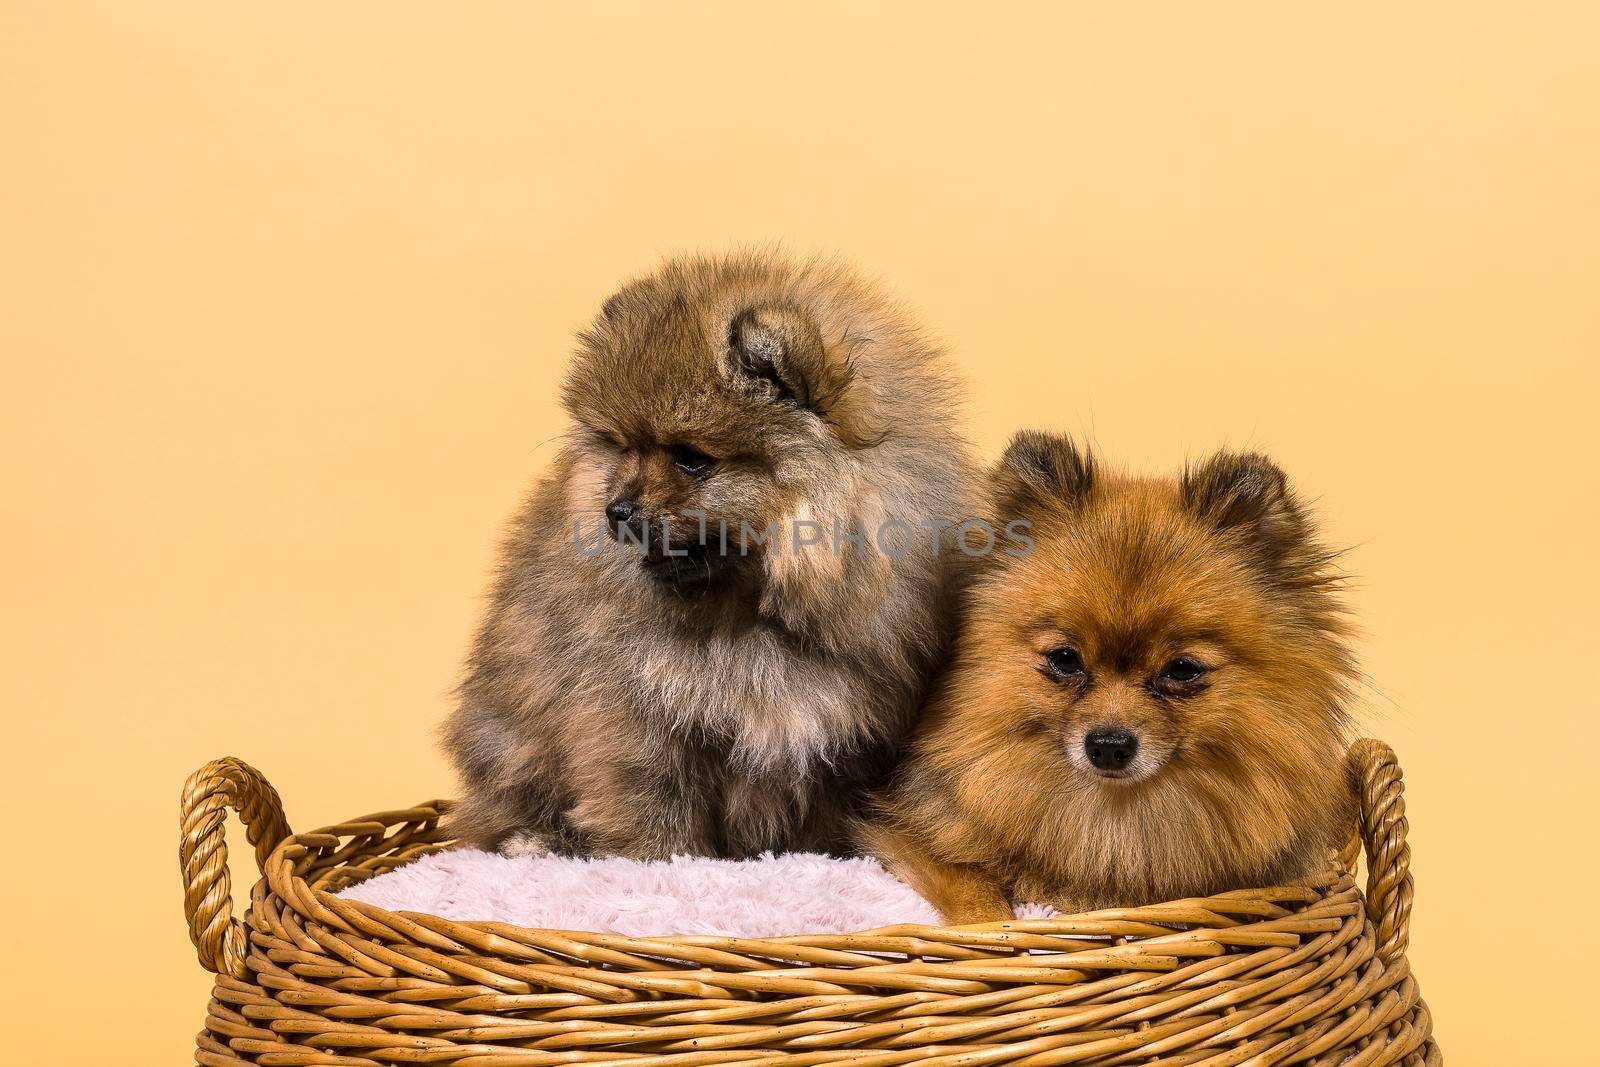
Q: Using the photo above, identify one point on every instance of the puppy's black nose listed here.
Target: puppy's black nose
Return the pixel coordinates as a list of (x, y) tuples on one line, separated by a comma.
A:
[(1110, 749), (621, 509)]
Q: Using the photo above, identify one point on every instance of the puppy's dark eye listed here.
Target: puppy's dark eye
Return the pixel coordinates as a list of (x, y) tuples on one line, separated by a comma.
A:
[(1064, 662), (1183, 670), (692, 461)]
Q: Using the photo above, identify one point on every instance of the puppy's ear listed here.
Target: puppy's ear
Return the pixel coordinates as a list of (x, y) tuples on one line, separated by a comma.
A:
[(1041, 468), (778, 350), (1245, 491)]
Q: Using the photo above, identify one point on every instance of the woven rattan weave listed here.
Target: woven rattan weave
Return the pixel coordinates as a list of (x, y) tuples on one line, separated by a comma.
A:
[(1307, 974)]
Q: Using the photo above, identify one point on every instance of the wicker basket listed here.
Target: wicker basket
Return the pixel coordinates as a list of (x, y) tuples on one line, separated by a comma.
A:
[(1307, 974)]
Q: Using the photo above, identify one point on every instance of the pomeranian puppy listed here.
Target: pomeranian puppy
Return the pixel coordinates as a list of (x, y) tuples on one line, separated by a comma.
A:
[(719, 612), (1148, 706)]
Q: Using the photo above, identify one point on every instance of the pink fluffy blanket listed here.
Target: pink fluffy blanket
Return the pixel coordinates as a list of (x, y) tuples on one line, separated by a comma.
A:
[(767, 897)]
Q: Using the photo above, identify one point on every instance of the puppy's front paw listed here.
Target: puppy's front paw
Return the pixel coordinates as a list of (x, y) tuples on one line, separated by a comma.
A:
[(526, 843)]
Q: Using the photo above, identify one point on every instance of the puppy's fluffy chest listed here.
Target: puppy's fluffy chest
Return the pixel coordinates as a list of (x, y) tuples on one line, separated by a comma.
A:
[(768, 702)]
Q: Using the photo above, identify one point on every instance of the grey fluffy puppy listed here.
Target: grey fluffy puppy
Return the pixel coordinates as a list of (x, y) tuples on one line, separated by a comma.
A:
[(686, 652)]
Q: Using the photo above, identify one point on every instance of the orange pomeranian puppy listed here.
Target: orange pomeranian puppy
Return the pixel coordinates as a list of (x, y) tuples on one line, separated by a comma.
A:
[(1148, 705)]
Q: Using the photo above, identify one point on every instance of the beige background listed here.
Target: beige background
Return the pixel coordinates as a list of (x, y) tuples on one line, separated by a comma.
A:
[(287, 290)]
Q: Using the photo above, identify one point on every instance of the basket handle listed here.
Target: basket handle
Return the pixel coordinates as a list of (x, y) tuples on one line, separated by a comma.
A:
[(219, 938), (1375, 772)]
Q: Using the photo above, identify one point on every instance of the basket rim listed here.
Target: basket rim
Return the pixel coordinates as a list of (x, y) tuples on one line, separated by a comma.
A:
[(286, 858), (1156, 919)]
